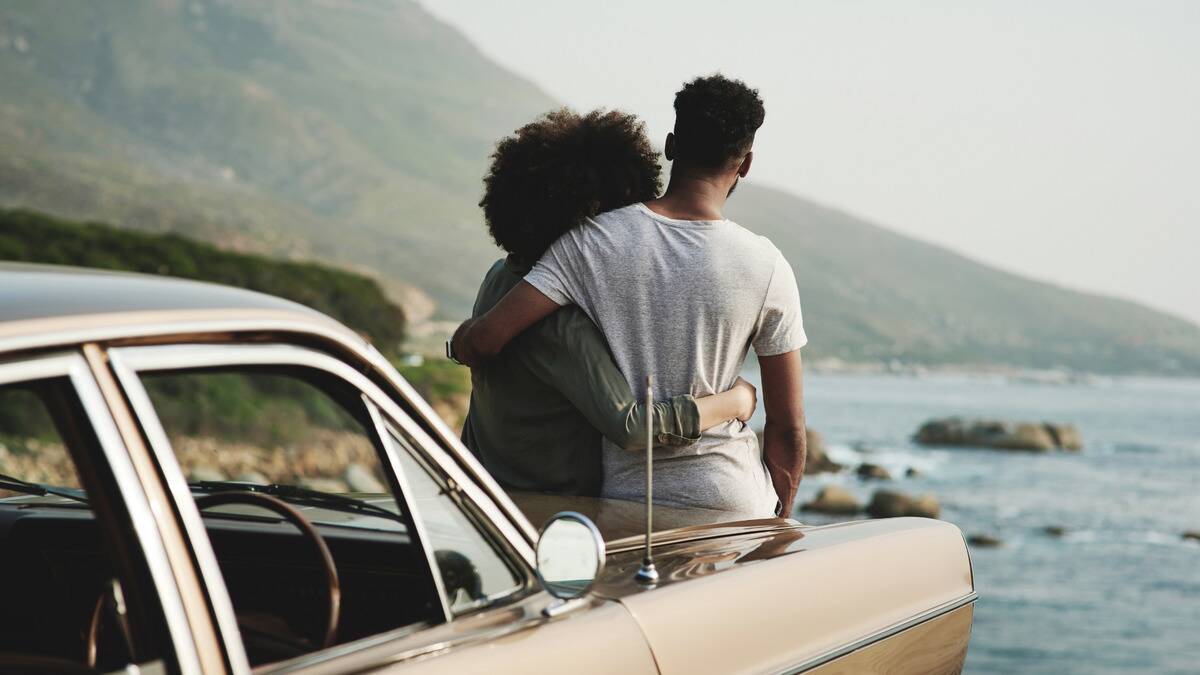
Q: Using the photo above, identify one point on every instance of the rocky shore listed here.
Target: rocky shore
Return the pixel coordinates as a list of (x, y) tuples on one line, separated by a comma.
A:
[(332, 461), (837, 500), (1000, 434)]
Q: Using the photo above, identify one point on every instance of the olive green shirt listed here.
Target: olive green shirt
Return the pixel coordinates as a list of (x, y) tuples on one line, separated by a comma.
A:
[(539, 409)]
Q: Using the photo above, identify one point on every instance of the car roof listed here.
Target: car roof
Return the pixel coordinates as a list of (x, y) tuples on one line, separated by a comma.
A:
[(50, 304), (50, 291)]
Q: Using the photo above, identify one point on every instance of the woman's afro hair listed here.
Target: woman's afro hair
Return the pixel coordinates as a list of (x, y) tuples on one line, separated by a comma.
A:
[(715, 120), (562, 168)]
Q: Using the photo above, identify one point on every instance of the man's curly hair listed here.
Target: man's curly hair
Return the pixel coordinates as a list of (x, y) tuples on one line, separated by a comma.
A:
[(553, 173), (715, 121)]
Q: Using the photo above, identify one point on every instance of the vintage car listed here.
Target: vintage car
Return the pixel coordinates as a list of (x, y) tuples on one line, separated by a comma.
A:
[(201, 479)]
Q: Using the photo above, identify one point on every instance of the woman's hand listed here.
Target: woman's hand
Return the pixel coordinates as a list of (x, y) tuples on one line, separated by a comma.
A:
[(747, 399)]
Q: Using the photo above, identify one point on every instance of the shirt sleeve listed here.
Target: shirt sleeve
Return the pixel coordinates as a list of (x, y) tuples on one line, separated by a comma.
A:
[(583, 370), (556, 273), (780, 323)]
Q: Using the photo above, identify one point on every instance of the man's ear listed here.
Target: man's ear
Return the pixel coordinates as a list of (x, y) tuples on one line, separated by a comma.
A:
[(744, 167), (669, 147)]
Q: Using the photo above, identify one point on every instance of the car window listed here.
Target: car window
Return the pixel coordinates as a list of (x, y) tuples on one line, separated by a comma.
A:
[(59, 572), (304, 437), (474, 572)]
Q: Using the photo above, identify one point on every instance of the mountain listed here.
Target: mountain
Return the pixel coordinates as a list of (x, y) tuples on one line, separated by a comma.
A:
[(350, 130), (870, 294), (357, 131)]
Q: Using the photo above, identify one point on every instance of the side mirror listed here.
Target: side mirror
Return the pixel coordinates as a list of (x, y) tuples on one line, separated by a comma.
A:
[(570, 555)]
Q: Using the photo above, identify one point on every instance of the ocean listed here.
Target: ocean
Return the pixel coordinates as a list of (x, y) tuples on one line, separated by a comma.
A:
[(1119, 592)]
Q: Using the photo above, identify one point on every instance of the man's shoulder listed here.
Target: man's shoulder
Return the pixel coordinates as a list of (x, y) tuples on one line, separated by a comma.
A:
[(749, 238)]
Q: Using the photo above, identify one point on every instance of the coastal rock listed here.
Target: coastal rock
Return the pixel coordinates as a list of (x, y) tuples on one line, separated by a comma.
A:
[(892, 504), (1192, 535), (1066, 436), (833, 500), (984, 541), (870, 471), (999, 434), (912, 472), (1055, 531), (925, 506), (817, 460), (360, 479)]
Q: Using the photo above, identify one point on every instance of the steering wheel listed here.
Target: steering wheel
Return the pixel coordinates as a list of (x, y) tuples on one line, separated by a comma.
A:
[(327, 636), (334, 593)]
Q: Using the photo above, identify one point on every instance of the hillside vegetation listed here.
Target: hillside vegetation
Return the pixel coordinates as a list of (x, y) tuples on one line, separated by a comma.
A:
[(357, 131), (353, 299)]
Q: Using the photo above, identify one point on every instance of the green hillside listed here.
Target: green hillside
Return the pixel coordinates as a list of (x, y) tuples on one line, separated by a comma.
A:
[(353, 299), (357, 131)]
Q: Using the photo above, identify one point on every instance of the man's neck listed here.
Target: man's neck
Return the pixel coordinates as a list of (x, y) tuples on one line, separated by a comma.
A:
[(690, 197)]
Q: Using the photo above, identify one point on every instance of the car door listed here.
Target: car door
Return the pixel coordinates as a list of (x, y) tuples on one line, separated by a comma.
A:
[(488, 611), (84, 574)]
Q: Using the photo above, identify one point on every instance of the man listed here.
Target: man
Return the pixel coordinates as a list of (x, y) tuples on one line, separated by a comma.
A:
[(681, 293)]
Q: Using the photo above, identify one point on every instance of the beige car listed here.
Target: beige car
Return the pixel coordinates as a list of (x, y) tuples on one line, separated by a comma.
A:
[(200, 479)]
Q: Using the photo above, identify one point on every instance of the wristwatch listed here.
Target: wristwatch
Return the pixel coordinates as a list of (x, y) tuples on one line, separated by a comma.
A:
[(450, 353)]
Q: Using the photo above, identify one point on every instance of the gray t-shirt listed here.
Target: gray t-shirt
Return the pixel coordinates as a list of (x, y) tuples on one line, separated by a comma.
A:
[(683, 301)]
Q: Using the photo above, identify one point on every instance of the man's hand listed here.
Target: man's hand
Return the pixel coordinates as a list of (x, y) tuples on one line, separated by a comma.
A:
[(747, 398), (460, 347), (480, 339)]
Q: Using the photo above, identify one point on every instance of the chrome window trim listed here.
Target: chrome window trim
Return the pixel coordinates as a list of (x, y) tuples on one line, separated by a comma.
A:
[(528, 578), (176, 356), (193, 524), (410, 506), (878, 636), (149, 325), (75, 368)]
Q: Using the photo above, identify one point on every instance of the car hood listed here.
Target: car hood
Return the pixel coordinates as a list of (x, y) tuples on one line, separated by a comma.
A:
[(623, 523)]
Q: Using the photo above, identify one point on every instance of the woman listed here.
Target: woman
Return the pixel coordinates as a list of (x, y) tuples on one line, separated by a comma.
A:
[(539, 410)]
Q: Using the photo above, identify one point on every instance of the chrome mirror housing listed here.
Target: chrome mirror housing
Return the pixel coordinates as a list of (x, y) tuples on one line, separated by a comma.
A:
[(570, 555)]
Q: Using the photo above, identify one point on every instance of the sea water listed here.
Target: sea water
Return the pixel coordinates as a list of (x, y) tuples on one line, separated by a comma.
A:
[(1119, 592)]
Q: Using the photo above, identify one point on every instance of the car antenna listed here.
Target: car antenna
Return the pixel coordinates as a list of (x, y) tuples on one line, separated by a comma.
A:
[(648, 574)]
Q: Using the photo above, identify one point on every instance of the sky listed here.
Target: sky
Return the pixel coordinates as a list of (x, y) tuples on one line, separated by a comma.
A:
[(1056, 139)]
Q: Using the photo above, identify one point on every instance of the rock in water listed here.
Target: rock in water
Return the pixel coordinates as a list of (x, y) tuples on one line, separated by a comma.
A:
[(925, 506), (1193, 535), (984, 541), (873, 472), (816, 460), (1001, 434), (1054, 530), (888, 504), (1066, 436), (892, 504), (913, 472), (833, 500)]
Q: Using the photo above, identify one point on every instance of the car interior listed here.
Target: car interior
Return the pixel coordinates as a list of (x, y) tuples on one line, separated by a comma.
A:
[(307, 563)]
